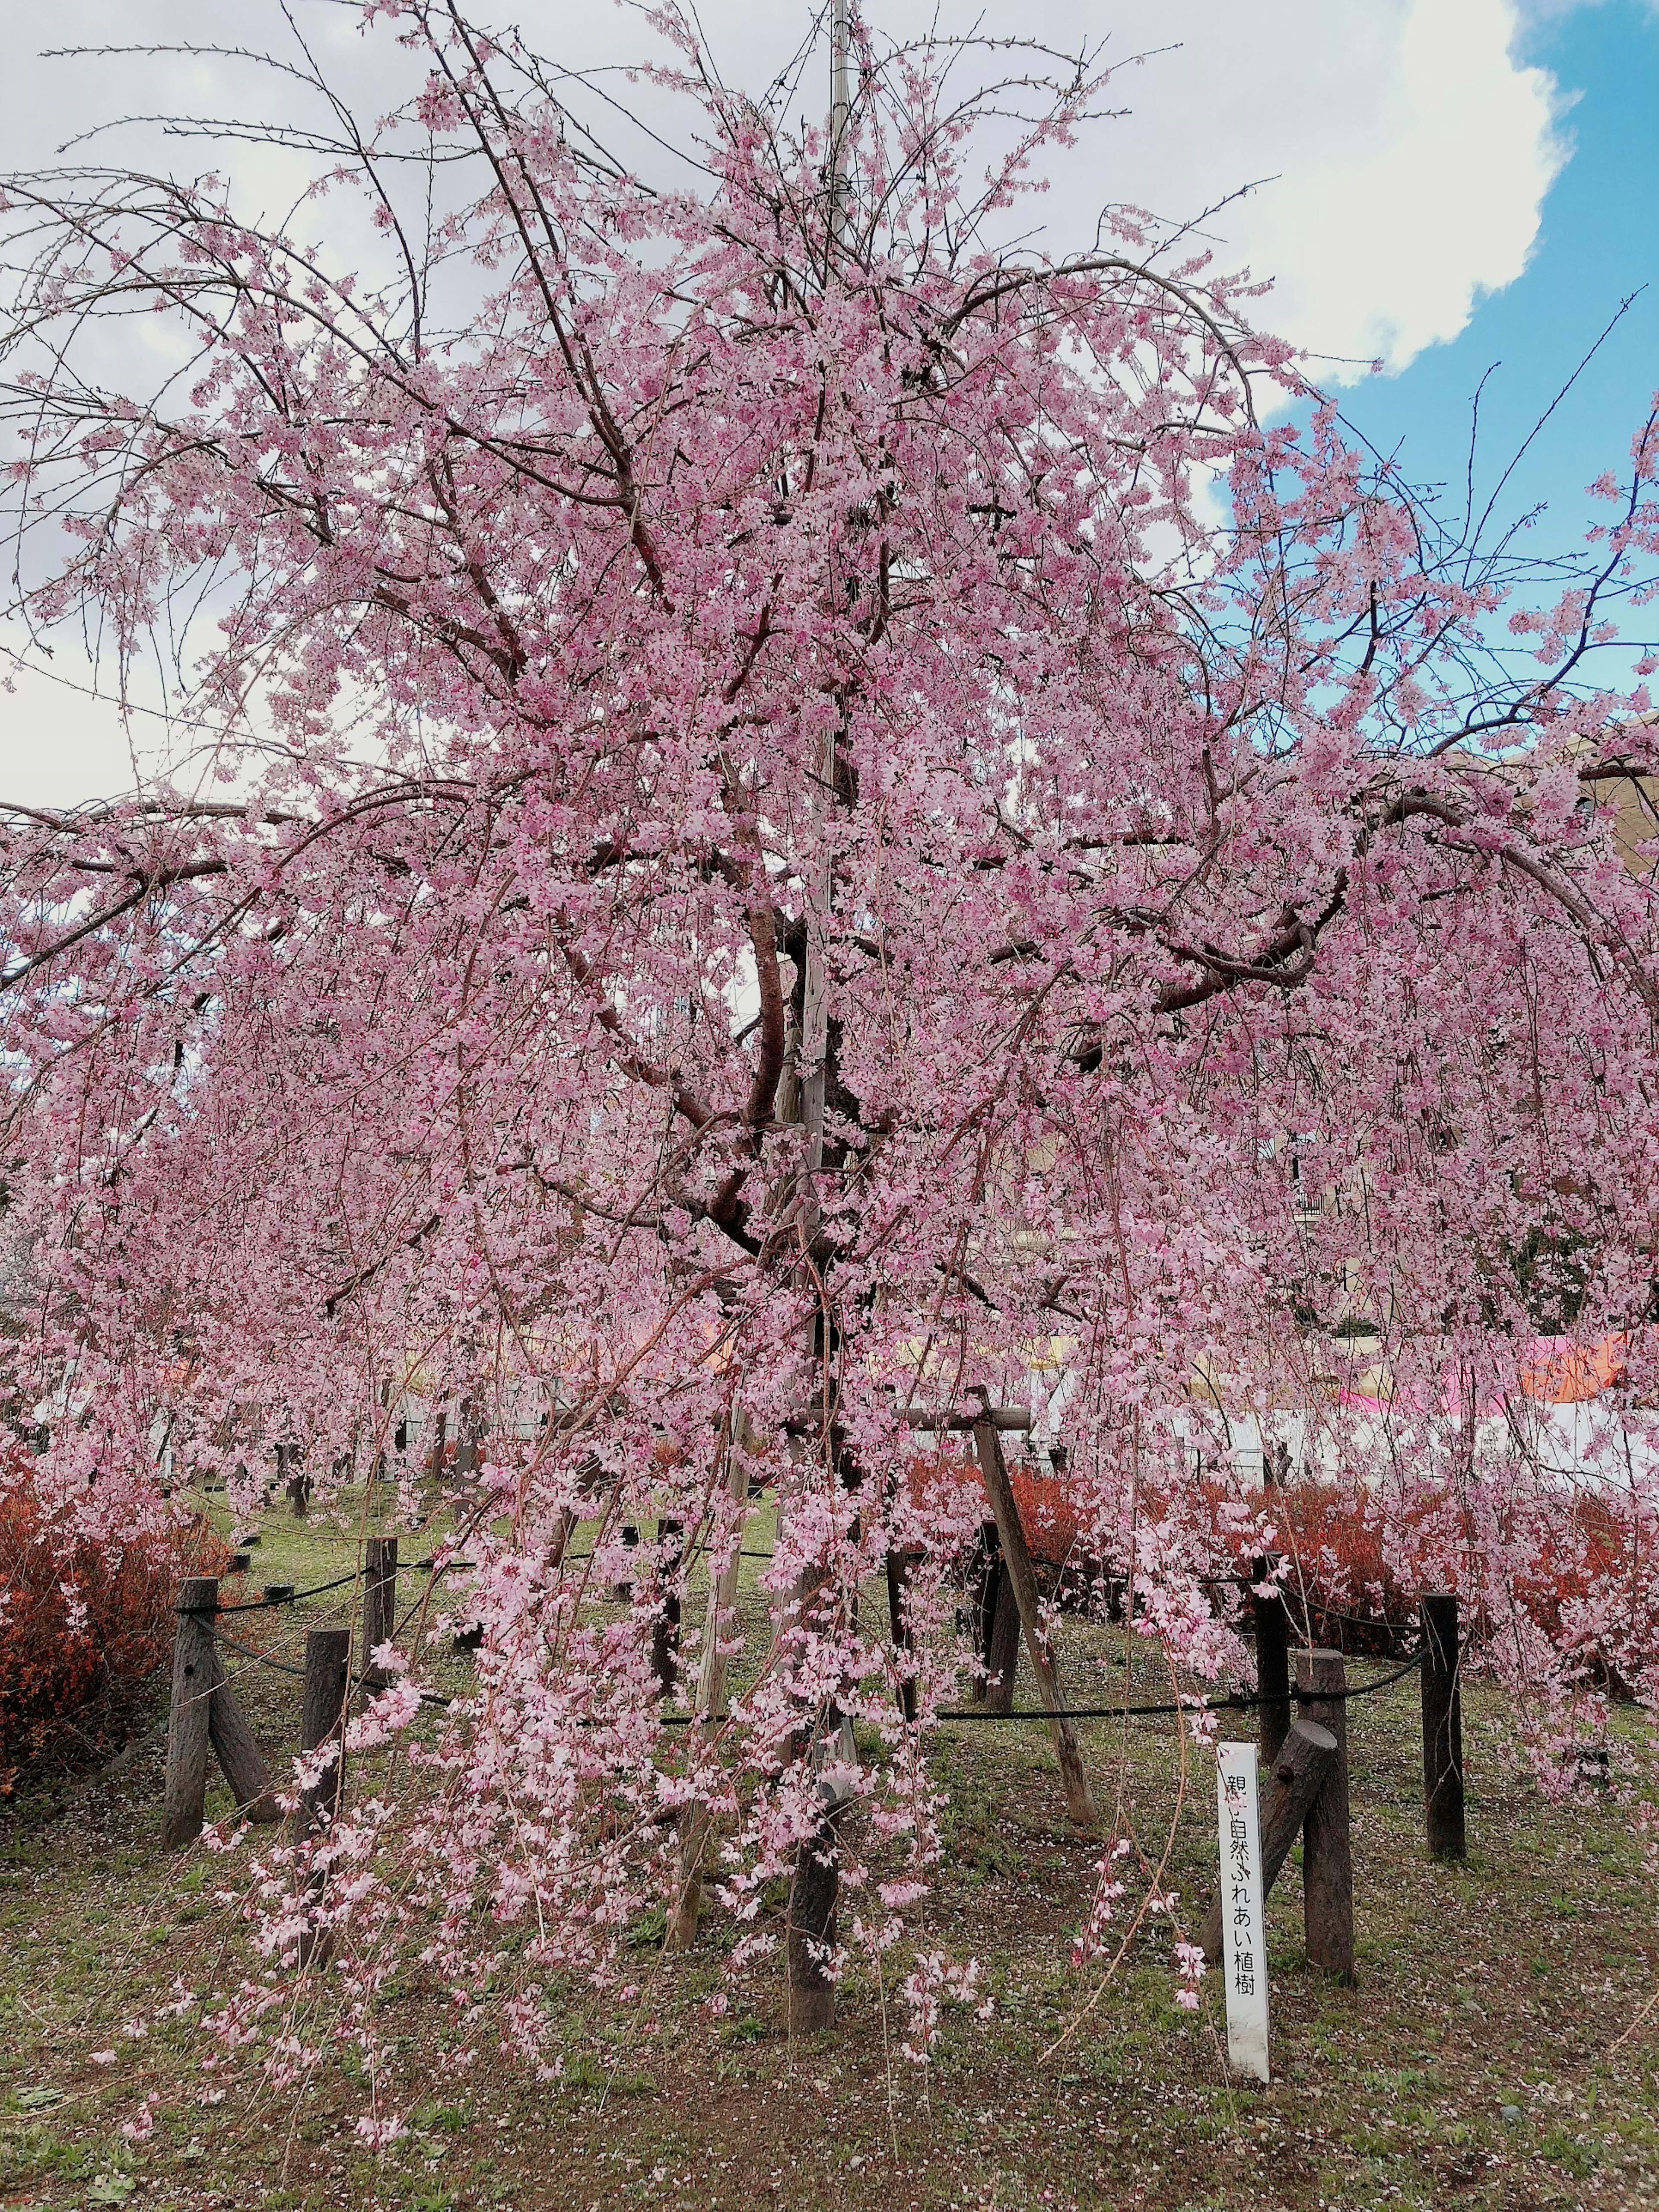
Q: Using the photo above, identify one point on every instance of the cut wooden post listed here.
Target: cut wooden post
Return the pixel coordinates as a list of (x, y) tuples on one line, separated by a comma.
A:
[(1443, 1728), (380, 1606), (1305, 1758), (322, 1717), (193, 1659), (1326, 1844), (1001, 1643), (1273, 1667), (901, 1566), (1017, 1559), (666, 1627), (237, 1754), (813, 1897), (682, 1929)]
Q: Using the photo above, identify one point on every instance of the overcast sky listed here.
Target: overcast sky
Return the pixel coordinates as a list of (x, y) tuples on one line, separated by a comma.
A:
[(1442, 184)]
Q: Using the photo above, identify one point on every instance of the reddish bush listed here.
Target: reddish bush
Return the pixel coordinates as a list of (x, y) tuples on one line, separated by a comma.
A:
[(80, 1621), (1047, 1510)]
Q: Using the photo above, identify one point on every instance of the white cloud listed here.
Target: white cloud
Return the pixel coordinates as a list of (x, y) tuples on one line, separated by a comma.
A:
[(1409, 150)]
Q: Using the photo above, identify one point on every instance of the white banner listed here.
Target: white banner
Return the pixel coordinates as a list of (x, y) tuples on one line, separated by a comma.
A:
[(1244, 1922)]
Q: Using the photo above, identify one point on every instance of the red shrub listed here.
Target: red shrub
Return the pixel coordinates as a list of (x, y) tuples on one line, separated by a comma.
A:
[(80, 1621), (1047, 1511)]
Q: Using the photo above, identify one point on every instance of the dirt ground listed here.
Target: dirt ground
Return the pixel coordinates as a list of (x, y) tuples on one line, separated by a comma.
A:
[(1494, 2053)]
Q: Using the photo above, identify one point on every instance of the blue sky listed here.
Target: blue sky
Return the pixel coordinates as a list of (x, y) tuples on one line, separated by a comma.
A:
[(1599, 240)]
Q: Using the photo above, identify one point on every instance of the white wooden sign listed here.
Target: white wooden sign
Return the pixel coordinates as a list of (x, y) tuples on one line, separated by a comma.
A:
[(1243, 1922)]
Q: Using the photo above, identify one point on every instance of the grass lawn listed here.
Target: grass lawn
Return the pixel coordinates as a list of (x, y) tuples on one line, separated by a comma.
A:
[(1473, 2065)]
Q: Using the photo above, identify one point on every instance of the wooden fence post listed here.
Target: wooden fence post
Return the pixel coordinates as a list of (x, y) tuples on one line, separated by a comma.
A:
[(322, 1716), (1327, 1843), (380, 1606), (901, 1566), (1273, 1666), (665, 1628), (1304, 1758), (193, 1668), (985, 1563), (1017, 1559), (1001, 1642), (1443, 1728)]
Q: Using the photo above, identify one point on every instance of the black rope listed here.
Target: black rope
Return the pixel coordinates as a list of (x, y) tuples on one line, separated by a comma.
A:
[(277, 1666), (1231, 1704), (268, 1604)]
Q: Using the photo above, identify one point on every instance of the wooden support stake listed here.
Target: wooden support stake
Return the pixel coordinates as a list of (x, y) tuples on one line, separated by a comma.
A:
[(1272, 1667), (1443, 1728), (237, 1754), (193, 1664), (1305, 1758), (901, 1566), (665, 1628), (380, 1606), (1017, 1559), (322, 1716), (1326, 1844)]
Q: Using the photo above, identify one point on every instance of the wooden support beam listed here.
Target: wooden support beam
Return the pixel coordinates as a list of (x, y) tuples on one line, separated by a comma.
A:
[(1305, 1758), (1326, 1844), (193, 1664), (239, 1756), (1017, 1558), (1014, 1419)]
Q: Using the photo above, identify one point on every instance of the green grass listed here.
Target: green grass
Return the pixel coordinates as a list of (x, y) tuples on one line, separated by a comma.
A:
[(1504, 1983)]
